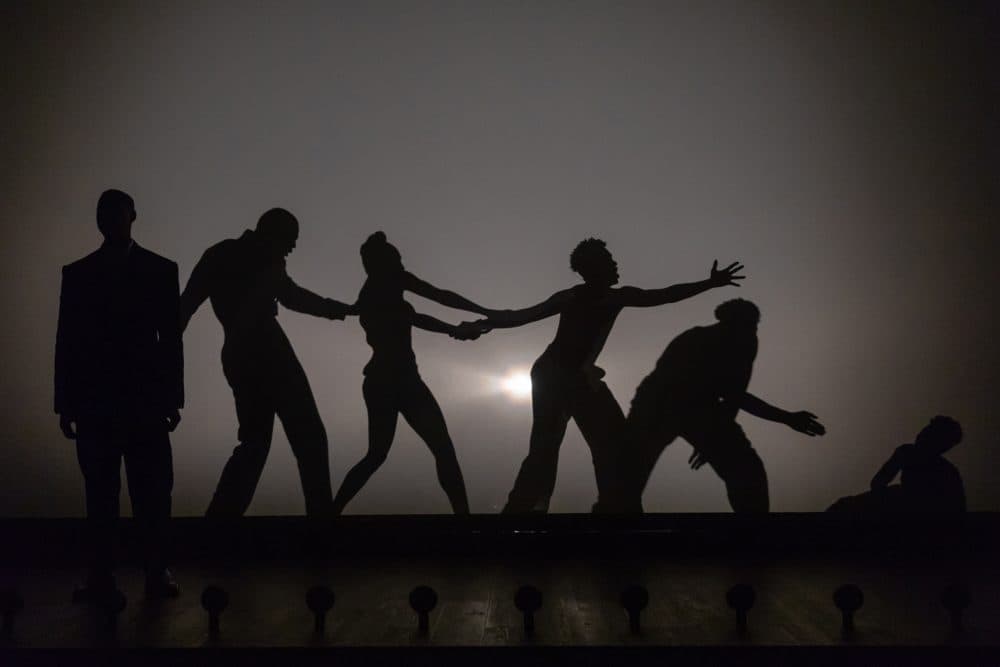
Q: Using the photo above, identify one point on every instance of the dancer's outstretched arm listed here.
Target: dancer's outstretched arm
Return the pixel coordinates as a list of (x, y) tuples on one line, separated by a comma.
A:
[(444, 297), (301, 300), (505, 319), (803, 421), (643, 298)]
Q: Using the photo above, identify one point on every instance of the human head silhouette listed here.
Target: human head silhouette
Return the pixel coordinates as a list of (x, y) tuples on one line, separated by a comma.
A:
[(594, 263), (379, 257), (115, 215), (278, 230), (738, 314), (941, 434)]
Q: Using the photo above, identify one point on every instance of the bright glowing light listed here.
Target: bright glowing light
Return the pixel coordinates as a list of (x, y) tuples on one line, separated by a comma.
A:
[(517, 385)]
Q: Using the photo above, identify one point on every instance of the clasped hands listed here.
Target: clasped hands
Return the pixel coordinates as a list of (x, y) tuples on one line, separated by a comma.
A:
[(471, 330)]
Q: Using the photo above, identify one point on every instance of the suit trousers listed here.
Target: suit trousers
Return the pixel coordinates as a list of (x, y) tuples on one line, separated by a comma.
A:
[(144, 445)]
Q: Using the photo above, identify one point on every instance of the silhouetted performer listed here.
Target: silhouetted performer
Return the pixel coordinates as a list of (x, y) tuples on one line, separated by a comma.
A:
[(566, 384), (245, 279), (392, 384), (119, 386), (929, 483), (699, 385)]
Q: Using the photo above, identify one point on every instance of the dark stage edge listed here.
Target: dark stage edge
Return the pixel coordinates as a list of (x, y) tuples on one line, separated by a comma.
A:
[(580, 563), (42, 541)]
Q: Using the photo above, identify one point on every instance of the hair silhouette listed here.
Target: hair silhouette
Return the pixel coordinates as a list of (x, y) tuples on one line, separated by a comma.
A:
[(245, 279), (695, 392), (566, 383), (392, 384), (929, 483)]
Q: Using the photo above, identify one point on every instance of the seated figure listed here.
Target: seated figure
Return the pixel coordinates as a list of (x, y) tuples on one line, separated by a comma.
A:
[(929, 483)]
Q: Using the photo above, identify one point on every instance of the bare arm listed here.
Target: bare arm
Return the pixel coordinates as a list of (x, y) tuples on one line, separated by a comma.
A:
[(196, 292), (644, 298), (301, 300), (803, 421), (888, 471), (444, 297), (428, 323), (505, 319)]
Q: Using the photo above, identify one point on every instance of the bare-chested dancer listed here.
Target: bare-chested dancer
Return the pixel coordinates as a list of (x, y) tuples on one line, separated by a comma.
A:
[(566, 384)]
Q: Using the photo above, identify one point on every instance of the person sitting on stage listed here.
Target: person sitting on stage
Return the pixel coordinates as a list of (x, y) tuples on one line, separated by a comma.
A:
[(929, 483)]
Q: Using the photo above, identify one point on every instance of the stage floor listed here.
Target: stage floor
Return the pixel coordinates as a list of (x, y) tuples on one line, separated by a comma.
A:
[(580, 579)]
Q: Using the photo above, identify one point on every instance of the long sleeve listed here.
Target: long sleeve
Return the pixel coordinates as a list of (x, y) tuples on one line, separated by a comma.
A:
[(172, 347), (301, 300), (64, 347), (198, 287)]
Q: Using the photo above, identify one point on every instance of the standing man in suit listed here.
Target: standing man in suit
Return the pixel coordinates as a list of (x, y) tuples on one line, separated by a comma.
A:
[(245, 280), (119, 387)]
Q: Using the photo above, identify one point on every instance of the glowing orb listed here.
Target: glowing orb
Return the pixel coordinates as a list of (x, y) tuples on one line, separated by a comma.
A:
[(517, 385)]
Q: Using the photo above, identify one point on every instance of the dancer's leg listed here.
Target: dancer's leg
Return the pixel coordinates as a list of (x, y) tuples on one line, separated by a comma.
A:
[(537, 476), (422, 412), (382, 416), (307, 437)]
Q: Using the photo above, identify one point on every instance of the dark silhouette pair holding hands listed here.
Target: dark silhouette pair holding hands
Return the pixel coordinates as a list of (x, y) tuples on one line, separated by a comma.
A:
[(245, 279)]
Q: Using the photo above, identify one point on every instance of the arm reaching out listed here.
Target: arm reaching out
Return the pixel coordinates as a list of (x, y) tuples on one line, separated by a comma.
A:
[(803, 421), (302, 300), (505, 319), (644, 298), (444, 297)]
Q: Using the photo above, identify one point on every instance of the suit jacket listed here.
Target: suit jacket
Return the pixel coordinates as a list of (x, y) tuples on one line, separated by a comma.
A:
[(118, 343)]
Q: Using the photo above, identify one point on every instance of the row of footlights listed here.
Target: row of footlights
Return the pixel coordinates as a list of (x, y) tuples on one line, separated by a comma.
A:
[(528, 600)]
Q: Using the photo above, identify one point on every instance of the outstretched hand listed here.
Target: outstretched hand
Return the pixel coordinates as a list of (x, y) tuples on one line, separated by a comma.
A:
[(805, 422), (470, 330), (727, 276)]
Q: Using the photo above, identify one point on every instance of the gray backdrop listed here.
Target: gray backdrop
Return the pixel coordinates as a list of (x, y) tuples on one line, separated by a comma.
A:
[(843, 151)]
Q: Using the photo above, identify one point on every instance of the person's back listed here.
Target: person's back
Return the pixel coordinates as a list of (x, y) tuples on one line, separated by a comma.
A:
[(697, 367), (930, 482)]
